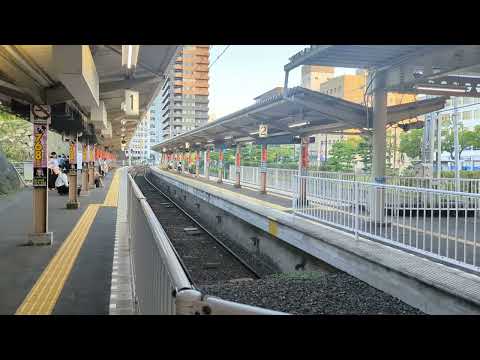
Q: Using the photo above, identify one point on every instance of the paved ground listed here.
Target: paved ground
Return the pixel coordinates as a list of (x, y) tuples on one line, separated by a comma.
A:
[(22, 266)]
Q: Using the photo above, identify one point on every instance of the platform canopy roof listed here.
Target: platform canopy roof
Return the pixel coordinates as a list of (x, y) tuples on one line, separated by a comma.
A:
[(310, 112), (29, 75), (451, 70)]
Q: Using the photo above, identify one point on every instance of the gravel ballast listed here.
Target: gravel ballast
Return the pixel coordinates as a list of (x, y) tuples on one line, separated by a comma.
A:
[(312, 293)]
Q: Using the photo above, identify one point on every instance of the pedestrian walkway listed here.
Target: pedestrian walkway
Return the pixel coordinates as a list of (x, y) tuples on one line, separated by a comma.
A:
[(73, 276)]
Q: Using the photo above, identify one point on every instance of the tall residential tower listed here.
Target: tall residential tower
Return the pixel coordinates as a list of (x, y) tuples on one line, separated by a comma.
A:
[(184, 96)]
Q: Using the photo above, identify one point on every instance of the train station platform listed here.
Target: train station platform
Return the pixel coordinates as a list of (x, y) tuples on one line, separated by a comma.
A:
[(270, 199), (74, 274)]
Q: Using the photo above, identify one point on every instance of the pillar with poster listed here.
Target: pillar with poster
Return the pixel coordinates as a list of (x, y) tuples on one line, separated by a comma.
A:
[(197, 163), (220, 164), (40, 116), (72, 177), (263, 169), (206, 165), (237, 166), (91, 166), (302, 172), (84, 170)]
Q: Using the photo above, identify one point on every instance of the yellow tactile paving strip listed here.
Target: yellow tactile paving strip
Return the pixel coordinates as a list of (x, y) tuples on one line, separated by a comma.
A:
[(216, 189), (44, 294), (112, 196)]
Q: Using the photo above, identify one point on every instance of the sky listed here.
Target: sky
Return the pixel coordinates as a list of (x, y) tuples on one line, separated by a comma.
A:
[(246, 71)]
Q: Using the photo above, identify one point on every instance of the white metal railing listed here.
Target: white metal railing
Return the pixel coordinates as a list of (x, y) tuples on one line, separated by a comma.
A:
[(282, 179), (438, 223), (449, 184), (161, 285)]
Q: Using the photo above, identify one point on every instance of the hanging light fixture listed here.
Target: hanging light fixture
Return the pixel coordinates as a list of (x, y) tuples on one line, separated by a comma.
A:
[(130, 56)]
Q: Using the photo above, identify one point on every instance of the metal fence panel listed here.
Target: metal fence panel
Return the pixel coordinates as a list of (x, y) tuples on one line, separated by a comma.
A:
[(438, 223)]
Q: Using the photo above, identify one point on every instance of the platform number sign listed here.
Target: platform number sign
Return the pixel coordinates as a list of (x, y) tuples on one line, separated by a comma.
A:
[(263, 131), (40, 116), (131, 103)]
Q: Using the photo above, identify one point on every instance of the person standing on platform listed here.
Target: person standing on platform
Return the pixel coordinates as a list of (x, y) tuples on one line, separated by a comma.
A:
[(52, 163), (61, 183)]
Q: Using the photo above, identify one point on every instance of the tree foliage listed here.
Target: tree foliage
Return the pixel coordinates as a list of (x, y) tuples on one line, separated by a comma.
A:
[(411, 143)]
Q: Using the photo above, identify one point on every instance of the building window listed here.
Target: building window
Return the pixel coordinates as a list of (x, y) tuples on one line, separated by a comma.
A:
[(187, 64), (187, 55)]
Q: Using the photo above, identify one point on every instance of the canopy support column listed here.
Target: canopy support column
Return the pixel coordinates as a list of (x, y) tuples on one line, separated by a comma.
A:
[(238, 167), (197, 163), (84, 191), (302, 172), (379, 146), (263, 170), (72, 177), (40, 117), (206, 164), (220, 165)]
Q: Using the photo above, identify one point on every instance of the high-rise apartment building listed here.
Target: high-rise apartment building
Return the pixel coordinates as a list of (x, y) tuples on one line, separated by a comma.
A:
[(156, 133), (184, 96), (139, 147)]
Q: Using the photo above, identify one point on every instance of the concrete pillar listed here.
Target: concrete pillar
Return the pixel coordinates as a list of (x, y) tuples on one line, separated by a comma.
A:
[(197, 163), (72, 178), (379, 146), (206, 164), (84, 191), (439, 147), (220, 165), (456, 144), (263, 170), (238, 166), (40, 117), (303, 171), (91, 178)]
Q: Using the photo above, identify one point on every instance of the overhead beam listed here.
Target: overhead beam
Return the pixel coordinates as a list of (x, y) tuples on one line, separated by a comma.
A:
[(446, 60), (59, 93)]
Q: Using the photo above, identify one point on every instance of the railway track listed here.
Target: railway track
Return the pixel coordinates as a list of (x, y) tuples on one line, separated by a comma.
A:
[(205, 258), (218, 268)]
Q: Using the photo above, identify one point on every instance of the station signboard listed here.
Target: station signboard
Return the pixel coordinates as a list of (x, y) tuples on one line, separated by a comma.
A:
[(263, 131)]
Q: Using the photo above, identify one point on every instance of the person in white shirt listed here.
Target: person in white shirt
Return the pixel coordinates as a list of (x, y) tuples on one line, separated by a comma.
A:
[(51, 164), (61, 183)]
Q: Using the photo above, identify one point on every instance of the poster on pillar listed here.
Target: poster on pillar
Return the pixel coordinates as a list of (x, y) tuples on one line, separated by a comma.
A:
[(85, 154), (79, 157), (263, 161), (73, 156), (40, 116)]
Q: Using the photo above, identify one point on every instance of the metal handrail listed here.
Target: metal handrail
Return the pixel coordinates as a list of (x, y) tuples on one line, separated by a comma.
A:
[(156, 271)]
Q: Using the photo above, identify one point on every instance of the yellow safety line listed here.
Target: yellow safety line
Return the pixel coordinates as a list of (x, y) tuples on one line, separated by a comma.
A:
[(245, 197), (112, 196), (44, 294)]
